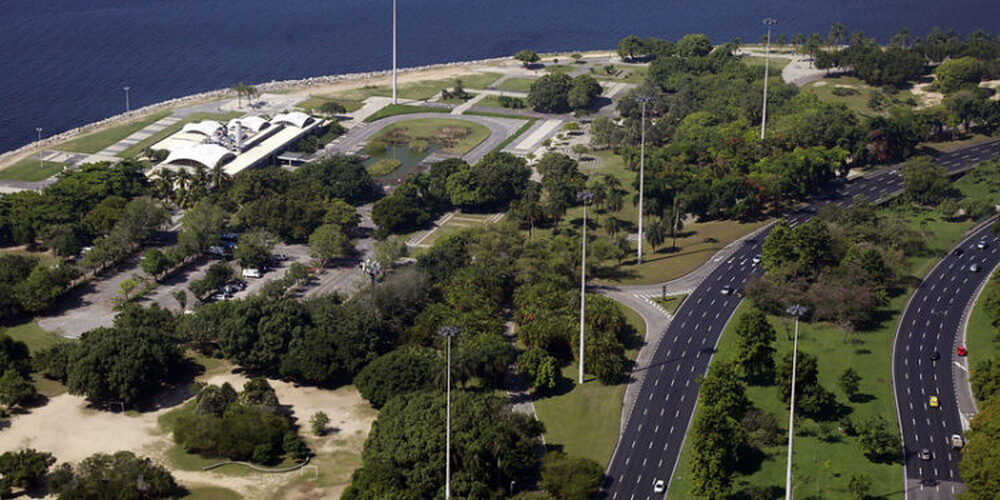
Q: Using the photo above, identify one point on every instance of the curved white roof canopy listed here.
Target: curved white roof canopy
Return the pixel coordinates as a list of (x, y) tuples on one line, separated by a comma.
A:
[(208, 155), (296, 118), (253, 123), (206, 128)]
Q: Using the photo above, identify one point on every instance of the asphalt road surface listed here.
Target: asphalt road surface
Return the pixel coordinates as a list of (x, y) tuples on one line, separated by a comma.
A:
[(930, 324), (656, 425)]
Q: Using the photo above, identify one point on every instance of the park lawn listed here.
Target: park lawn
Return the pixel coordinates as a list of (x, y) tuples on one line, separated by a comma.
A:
[(858, 102), (137, 148), (45, 258), (585, 421), (210, 493), (632, 74), (493, 101), (314, 102), (420, 90), (459, 222), (516, 84), (775, 65), (427, 128), (561, 68), (96, 141), (981, 335), (822, 468), (32, 335), (28, 170), (672, 302), (403, 109), (969, 188)]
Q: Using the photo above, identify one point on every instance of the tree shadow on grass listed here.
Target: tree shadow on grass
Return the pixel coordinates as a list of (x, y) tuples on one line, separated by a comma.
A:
[(176, 391)]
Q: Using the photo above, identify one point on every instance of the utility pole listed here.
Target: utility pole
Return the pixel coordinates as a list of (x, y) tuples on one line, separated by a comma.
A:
[(767, 53), (126, 89), (797, 311), (39, 130), (394, 51), (585, 197), (642, 170), (448, 332)]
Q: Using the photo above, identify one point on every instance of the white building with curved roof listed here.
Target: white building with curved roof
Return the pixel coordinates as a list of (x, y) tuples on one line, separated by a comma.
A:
[(252, 123), (207, 128), (294, 118), (207, 155)]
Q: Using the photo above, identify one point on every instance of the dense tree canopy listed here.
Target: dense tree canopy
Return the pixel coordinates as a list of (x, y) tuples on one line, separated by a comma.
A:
[(122, 476)]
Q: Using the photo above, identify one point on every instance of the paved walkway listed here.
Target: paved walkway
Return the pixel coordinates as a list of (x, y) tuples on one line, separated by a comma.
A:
[(146, 132)]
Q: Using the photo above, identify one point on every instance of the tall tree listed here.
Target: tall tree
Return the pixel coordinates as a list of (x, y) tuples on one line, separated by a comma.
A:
[(755, 345)]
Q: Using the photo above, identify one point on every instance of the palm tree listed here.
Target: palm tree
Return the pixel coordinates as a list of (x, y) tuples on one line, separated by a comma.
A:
[(901, 39), (612, 225), (838, 32), (656, 234), (614, 195), (798, 39), (624, 246), (251, 92), (164, 183), (528, 207), (240, 90)]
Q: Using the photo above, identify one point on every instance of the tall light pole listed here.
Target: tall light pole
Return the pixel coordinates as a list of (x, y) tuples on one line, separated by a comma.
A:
[(126, 89), (448, 332), (371, 267), (585, 197), (767, 53), (798, 311), (642, 169), (394, 51), (39, 130)]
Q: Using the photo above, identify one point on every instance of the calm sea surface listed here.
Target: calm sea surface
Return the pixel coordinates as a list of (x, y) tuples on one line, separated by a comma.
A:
[(63, 62)]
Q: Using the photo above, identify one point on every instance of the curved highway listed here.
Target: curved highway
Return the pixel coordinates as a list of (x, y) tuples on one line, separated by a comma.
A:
[(925, 358), (656, 424)]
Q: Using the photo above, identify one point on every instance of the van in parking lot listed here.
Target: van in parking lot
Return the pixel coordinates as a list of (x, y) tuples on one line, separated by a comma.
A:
[(252, 272)]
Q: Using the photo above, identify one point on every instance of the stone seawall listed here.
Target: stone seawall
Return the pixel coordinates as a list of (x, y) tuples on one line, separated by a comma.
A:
[(271, 86)]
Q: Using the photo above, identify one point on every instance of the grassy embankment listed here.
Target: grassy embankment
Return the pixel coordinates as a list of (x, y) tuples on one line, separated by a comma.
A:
[(27, 170), (419, 90), (96, 141), (402, 109), (824, 459), (860, 94), (584, 420), (516, 84)]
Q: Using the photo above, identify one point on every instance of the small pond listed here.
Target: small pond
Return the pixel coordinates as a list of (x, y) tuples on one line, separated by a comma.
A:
[(410, 159)]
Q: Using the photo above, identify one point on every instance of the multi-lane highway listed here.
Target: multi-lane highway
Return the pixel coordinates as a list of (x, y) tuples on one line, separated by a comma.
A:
[(925, 361), (656, 424)]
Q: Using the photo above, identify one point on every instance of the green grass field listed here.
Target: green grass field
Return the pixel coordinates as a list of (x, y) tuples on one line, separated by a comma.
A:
[(858, 102), (427, 128), (314, 102), (631, 74), (981, 335), (775, 65), (672, 302), (94, 142), (402, 109), (384, 167), (211, 493), (421, 90), (585, 421), (141, 146), (28, 170), (32, 335), (516, 84), (561, 68), (946, 147), (824, 468), (456, 101)]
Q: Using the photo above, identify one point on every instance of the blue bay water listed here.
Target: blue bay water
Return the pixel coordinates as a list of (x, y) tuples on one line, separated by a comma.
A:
[(63, 62)]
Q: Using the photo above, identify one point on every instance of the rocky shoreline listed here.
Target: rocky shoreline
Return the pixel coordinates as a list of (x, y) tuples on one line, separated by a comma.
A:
[(271, 86)]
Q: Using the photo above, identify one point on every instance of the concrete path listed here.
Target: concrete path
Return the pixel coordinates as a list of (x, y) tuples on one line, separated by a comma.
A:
[(143, 134), (535, 135)]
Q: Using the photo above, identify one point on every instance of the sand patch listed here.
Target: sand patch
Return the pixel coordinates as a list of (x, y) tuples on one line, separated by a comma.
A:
[(927, 97), (71, 431), (821, 83)]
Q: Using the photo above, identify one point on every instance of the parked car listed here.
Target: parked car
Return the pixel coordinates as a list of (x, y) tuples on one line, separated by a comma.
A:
[(280, 257), (230, 236), (961, 351), (252, 272), (239, 284), (219, 297)]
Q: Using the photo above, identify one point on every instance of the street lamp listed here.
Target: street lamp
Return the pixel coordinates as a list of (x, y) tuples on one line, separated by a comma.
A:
[(642, 169), (126, 89), (394, 51), (39, 130), (767, 52), (448, 332), (584, 196), (798, 311)]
